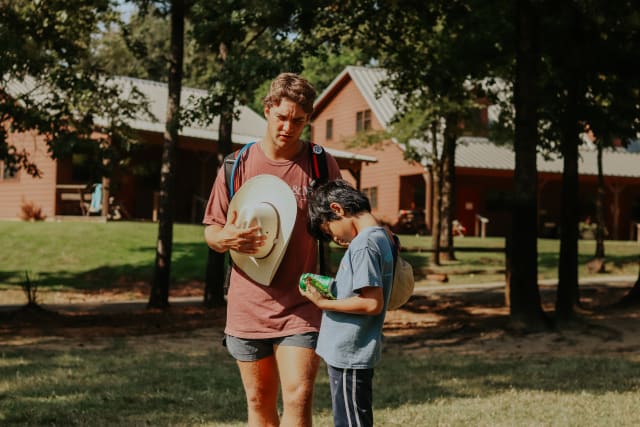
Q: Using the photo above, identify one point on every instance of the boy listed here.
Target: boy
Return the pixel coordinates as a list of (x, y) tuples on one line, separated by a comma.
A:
[(351, 331)]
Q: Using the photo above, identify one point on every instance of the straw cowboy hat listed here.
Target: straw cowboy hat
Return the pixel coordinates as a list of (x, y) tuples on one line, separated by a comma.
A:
[(266, 201)]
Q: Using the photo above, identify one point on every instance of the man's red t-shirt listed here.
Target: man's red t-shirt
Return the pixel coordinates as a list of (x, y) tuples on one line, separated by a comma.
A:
[(255, 311)]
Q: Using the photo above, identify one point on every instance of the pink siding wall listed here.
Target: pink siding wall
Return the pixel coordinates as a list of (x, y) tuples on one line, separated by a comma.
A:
[(385, 174), (41, 191)]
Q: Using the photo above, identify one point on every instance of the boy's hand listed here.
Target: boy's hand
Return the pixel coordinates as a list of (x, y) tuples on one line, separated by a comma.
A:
[(312, 293)]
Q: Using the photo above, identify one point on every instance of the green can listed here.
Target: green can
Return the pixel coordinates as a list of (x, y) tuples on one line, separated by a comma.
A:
[(321, 283)]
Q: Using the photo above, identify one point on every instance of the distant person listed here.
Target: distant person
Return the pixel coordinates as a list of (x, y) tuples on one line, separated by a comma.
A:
[(458, 228), (350, 340), (272, 330)]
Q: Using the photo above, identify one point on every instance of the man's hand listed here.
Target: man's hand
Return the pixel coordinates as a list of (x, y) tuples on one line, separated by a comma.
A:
[(232, 237)]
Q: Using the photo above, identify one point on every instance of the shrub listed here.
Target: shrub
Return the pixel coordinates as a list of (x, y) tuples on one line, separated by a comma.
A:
[(30, 288), (31, 212)]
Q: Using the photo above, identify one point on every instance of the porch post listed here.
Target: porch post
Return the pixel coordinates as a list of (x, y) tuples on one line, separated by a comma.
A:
[(615, 209), (428, 203)]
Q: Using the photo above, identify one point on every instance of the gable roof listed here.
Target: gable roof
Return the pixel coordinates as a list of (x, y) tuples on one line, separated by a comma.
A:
[(367, 80)]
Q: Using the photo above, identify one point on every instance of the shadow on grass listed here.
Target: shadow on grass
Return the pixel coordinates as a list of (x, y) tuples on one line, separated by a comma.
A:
[(188, 263), (130, 383), (549, 260), (185, 377), (422, 379), (120, 385)]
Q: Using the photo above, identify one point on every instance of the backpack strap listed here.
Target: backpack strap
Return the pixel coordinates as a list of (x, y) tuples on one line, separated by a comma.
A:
[(319, 169), (231, 161), (232, 182), (395, 245)]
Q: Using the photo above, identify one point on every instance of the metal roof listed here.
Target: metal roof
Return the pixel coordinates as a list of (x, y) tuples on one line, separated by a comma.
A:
[(349, 155), (481, 153), (249, 126), (367, 80)]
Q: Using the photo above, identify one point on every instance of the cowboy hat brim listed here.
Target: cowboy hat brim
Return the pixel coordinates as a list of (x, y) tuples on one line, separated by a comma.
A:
[(257, 191)]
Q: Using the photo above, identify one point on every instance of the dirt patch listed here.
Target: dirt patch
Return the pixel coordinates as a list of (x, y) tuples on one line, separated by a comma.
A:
[(121, 290), (477, 322), (469, 322)]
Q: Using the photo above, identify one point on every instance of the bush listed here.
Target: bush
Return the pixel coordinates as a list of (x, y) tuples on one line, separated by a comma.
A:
[(30, 288), (31, 212)]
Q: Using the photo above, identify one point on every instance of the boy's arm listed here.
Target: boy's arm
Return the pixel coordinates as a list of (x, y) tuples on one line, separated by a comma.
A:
[(369, 301)]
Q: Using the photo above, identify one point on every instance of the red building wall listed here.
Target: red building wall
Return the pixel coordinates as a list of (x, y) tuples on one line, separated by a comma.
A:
[(383, 175), (485, 193), (23, 188)]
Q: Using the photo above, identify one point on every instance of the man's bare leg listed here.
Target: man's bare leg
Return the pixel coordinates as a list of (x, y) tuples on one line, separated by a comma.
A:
[(260, 381), (298, 368)]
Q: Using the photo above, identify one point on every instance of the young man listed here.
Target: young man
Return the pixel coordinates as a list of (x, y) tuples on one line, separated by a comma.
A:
[(350, 337), (272, 330)]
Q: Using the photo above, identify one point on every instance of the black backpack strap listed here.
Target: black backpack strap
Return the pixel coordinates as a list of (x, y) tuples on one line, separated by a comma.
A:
[(320, 175), (229, 161), (232, 182), (319, 169)]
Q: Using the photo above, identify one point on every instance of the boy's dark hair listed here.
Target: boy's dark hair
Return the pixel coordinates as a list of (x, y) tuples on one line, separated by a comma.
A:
[(339, 191), (293, 87)]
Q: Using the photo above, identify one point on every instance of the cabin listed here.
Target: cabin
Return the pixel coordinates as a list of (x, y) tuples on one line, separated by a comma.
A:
[(66, 191), (355, 102)]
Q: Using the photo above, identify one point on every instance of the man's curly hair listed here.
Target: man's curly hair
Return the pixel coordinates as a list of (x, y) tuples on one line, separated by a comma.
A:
[(293, 87)]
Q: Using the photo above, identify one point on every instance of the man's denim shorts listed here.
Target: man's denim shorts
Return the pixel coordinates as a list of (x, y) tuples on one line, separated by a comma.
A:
[(250, 350)]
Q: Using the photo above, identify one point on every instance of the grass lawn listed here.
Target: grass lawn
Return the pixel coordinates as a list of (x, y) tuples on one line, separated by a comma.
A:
[(92, 256), (488, 264), (185, 380), (447, 361)]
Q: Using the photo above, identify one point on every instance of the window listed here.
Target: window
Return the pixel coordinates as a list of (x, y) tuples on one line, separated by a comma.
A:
[(329, 133), (6, 173), (372, 195), (363, 120)]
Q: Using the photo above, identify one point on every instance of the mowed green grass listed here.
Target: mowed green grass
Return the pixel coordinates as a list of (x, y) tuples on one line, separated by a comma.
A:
[(188, 379), (89, 256), (92, 256), (140, 381)]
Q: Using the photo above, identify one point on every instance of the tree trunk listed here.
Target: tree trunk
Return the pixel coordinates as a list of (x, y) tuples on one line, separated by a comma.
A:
[(436, 174), (105, 206), (525, 306), (632, 298), (449, 186), (216, 273), (568, 297), (159, 297), (600, 211), (568, 292), (215, 279), (436, 228)]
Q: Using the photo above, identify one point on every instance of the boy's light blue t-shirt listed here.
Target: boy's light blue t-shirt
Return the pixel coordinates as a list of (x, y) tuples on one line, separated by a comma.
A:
[(355, 340)]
